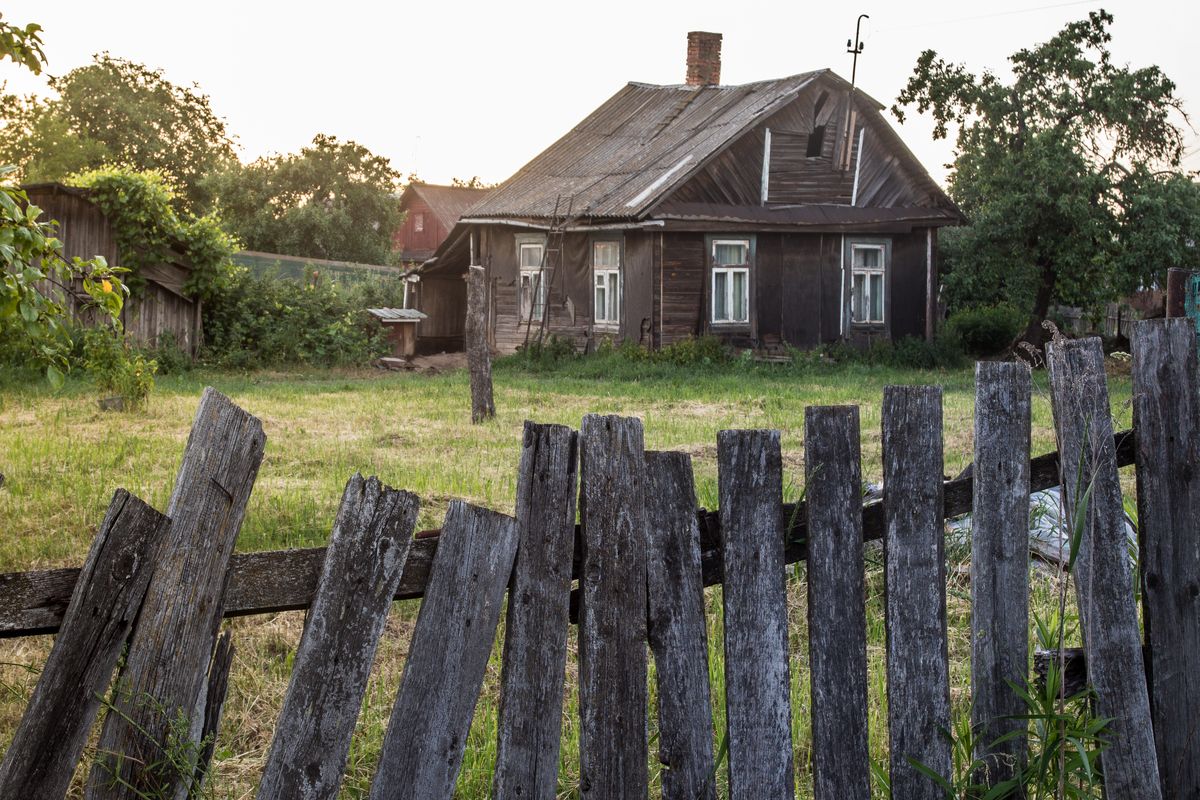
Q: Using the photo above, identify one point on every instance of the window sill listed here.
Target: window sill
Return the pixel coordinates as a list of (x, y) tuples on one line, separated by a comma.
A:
[(730, 325), (606, 327)]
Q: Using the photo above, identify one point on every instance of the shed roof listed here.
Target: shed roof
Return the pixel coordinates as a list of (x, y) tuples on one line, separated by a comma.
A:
[(448, 203), (397, 314)]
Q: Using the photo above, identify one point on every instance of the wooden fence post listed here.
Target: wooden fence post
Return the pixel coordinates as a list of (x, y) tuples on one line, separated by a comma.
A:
[(50, 737), (758, 706), (1000, 565), (447, 658), (613, 742), (479, 357), (529, 728), (367, 551), (1166, 409), (837, 622), (918, 685), (677, 631), (166, 668), (1102, 575), (214, 702)]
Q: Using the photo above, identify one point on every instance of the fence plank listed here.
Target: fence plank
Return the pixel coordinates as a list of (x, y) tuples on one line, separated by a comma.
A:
[(166, 668), (479, 356), (214, 703), (758, 704), (367, 550), (456, 627), (1000, 564), (918, 685), (612, 623), (677, 629), (529, 728), (1166, 408), (50, 737), (1102, 576), (837, 622)]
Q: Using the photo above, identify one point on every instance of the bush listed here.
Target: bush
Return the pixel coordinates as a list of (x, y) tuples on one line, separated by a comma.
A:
[(171, 358), (985, 331), (944, 352), (117, 368)]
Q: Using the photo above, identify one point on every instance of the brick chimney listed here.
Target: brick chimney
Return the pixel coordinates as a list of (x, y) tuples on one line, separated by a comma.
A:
[(703, 59)]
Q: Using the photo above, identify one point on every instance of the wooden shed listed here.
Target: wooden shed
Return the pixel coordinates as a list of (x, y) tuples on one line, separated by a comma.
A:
[(159, 306), (401, 327)]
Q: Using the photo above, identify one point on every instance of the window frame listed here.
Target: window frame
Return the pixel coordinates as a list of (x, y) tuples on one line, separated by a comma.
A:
[(882, 271), (418, 222), (729, 270), (606, 273), (537, 278)]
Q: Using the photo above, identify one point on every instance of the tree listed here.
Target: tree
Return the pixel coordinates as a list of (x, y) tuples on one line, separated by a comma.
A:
[(115, 111), (333, 200), (1069, 174)]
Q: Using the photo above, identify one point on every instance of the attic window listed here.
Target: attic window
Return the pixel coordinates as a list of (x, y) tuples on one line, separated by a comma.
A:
[(418, 222), (816, 142)]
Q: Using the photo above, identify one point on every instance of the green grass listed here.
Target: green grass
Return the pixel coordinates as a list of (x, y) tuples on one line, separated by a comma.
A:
[(62, 459)]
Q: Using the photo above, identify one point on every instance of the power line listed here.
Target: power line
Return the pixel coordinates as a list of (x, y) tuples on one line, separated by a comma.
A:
[(990, 16)]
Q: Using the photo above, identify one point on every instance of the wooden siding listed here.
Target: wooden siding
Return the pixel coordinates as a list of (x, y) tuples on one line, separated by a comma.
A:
[(444, 301), (684, 267), (418, 244)]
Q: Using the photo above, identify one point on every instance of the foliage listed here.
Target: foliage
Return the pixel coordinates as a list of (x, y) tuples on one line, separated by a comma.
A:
[(269, 321), (1069, 174), (944, 352), (116, 367), (34, 322), (141, 208), (115, 111), (985, 331), (22, 45), (333, 200)]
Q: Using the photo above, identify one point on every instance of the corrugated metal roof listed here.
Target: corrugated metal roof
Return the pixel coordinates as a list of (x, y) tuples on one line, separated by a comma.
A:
[(636, 146), (397, 314), (448, 202)]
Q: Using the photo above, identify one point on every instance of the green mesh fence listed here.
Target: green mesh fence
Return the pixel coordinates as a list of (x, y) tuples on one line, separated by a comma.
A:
[(305, 269)]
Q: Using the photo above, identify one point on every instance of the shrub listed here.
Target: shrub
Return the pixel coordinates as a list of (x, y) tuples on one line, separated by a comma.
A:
[(117, 368), (704, 350), (985, 331), (170, 357)]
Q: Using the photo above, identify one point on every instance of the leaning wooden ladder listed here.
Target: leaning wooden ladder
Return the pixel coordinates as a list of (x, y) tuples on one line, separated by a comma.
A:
[(555, 239)]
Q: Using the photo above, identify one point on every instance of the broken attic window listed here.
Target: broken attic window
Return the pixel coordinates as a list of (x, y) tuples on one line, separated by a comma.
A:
[(816, 142)]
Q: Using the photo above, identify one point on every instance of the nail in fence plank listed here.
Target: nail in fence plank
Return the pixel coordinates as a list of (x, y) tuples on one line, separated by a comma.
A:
[(1166, 408), (367, 550), (1000, 565), (529, 728), (166, 668), (677, 629), (50, 737), (758, 704), (918, 684), (448, 655), (837, 622), (214, 702), (1102, 574), (613, 743)]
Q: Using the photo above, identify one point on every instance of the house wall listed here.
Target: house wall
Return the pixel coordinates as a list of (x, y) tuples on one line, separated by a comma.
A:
[(407, 239), (444, 301)]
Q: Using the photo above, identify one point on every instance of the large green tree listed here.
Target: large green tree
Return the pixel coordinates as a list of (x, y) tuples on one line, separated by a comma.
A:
[(1069, 173), (333, 200), (115, 111)]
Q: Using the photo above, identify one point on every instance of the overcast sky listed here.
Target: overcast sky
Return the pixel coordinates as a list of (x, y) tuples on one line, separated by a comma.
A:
[(458, 89)]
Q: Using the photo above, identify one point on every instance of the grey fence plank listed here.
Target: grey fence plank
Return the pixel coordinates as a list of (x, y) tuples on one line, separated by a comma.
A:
[(837, 622), (1166, 408), (529, 728), (1102, 574), (479, 356), (166, 668), (613, 741), (367, 550), (757, 700), (918, 684), (1000, 564), (456, 627), (677, 629), (50, 737), (214, 703)]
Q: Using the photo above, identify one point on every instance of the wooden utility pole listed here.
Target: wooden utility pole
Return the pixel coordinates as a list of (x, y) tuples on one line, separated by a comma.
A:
[(479, 357)]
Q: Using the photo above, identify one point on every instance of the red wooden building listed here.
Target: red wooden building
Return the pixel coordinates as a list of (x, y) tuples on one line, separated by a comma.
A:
[(431, 212)]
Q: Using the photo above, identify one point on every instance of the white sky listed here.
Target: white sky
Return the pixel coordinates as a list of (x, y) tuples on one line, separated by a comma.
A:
[(456, 89)]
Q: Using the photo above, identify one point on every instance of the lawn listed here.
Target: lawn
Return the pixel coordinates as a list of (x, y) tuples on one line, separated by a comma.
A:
[(62, 459)]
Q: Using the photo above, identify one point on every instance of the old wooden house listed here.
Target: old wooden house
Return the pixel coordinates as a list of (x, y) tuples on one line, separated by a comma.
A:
[(158, 306), (783, 211), (430, 213)]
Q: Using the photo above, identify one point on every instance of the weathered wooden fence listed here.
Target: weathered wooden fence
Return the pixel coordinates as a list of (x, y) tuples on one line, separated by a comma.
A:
[(642, 553)]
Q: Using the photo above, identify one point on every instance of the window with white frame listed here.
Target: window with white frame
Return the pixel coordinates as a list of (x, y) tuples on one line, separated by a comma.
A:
[(533, 280), (731, 281), (606, 277), (418, 222), (867, 281)]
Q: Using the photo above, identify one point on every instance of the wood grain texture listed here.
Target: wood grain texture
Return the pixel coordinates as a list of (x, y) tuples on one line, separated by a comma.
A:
[(613, 742), (166, 667), (529, 728), (367, 550), (1000, 565), (479, 357), (677, 629), (757, 699), (1102, 575), (50, 737), (918, 664), (1166, 409), (214, 703), (456, 627), (837, 622)]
